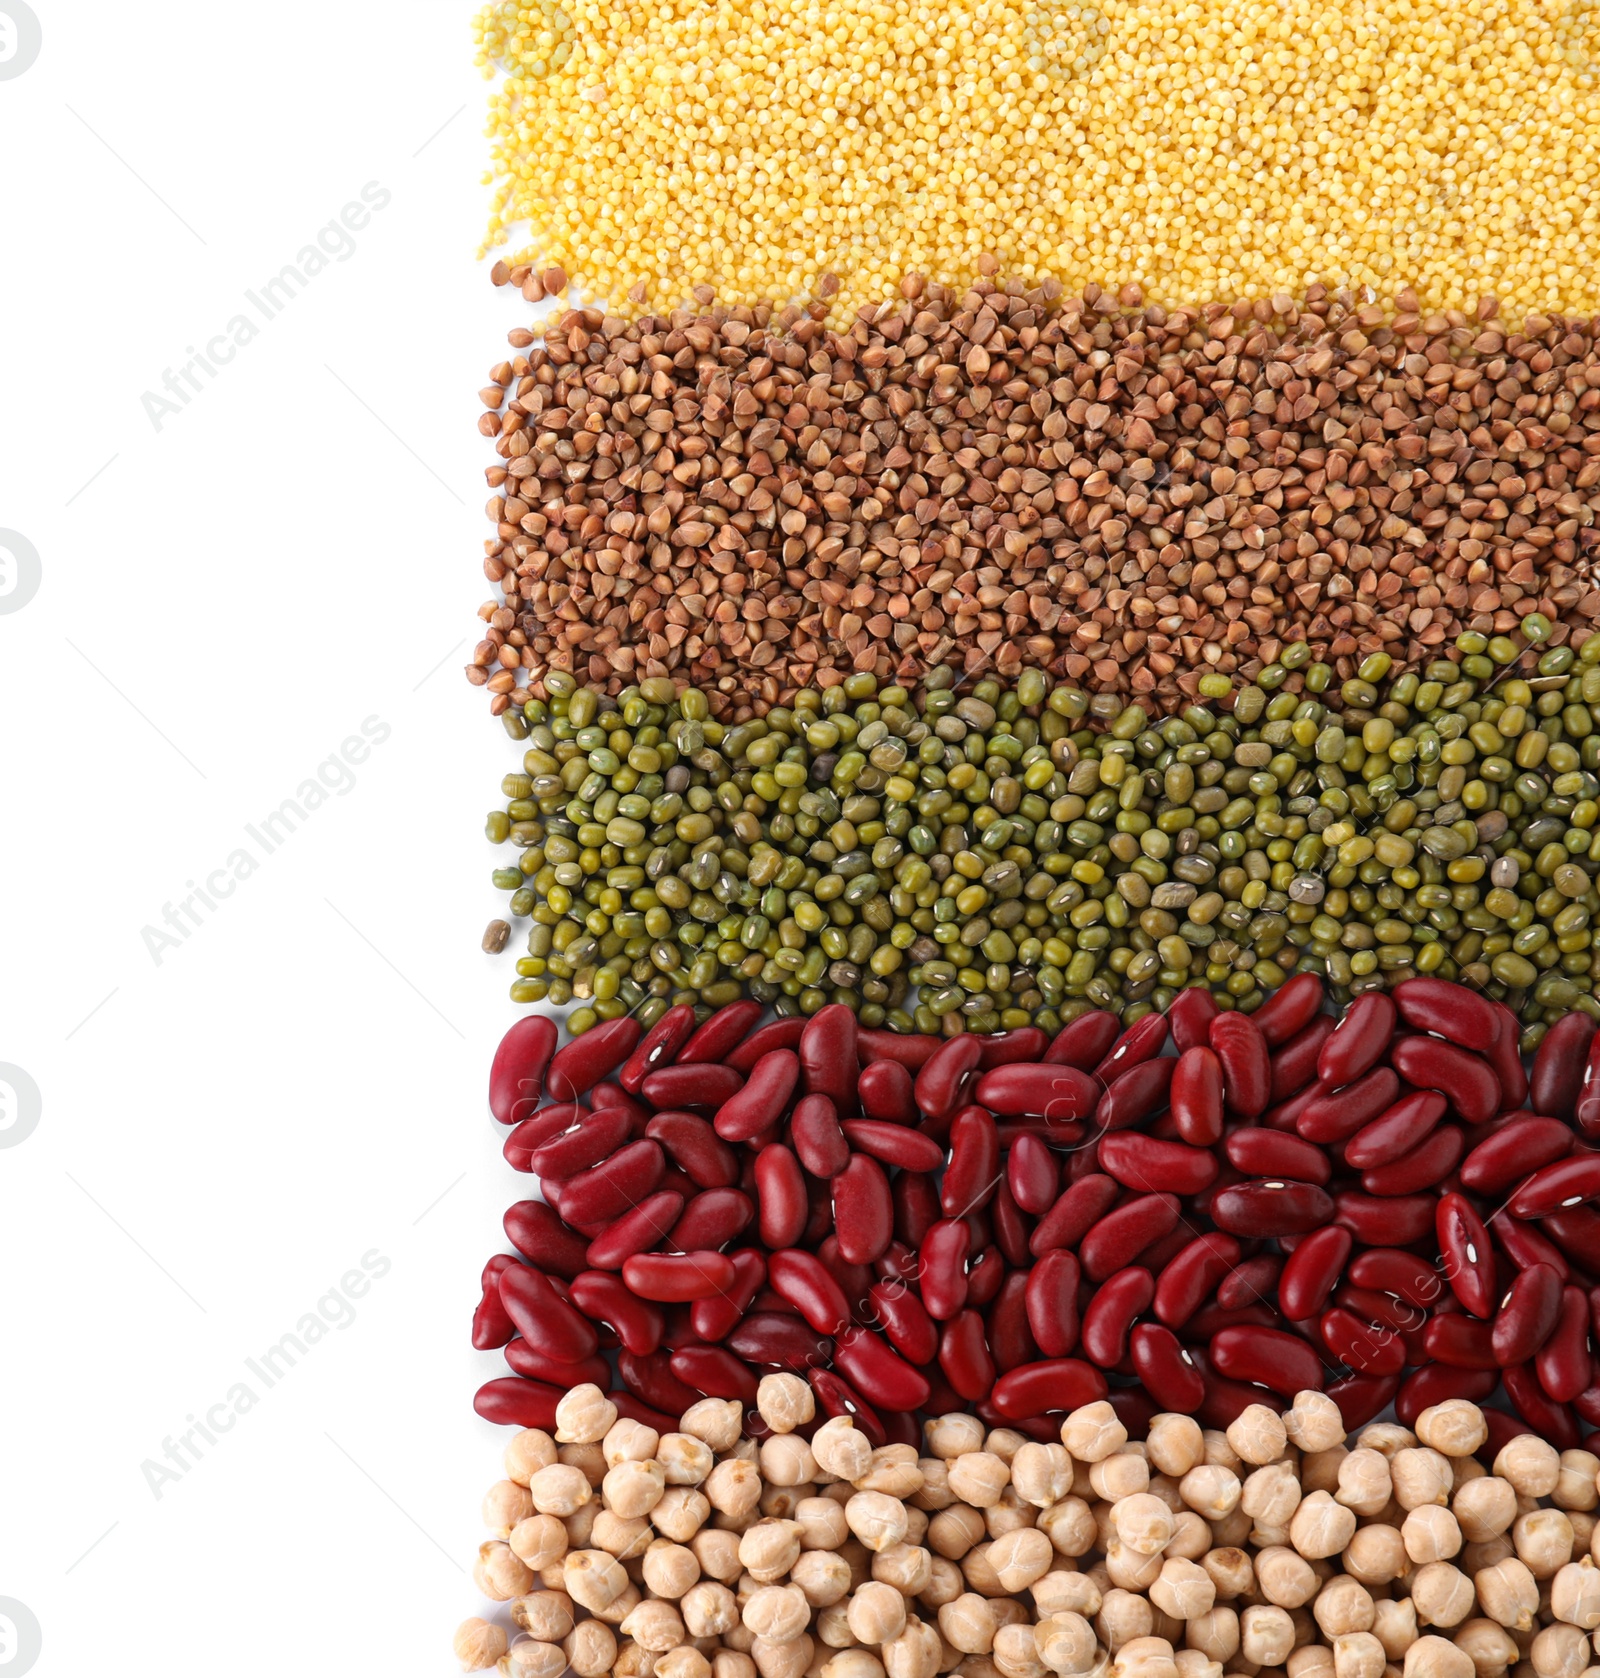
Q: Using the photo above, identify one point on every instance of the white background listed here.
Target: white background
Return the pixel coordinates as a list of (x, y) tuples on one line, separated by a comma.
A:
[(223, 601)]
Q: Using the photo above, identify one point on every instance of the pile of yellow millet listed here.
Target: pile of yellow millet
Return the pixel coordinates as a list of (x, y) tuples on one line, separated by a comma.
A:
[(1199, 148)]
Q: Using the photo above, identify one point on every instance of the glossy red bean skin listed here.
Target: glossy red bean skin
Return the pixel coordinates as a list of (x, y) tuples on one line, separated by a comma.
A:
[(711, 1220), (1311, 1271), (637, 1231), (1437, 1383), (1032, 1175), (1141, 1041), (1225, 1399), (1465, 1254), (1290, 1009), (1586, 1108), (1455, 1012), (1117, 1303), (816, 1137), (1246, 1068), (658, 1047), (1295, 1064), (1375, 1221), (715, 1318), (1075, 1213), (1271, 1206), (762, 1100), (1577, 1233), (1527, 1316), (1249, 1282), (541, 1126), (1192, 1275), (1425, 1167), (1525, 1246), (1268, 1357), (1141, 1162), (598, 1137), (781, 1203), (1395, 1131), (1259, 1152), (1552, 1422), (652, 1380), (543, 1318), (973, 1169), (1336, 1115), (1190, 1017), (1051, 1304), (607, 1190), (1465, 1079), (1392, 1271), (1372, 1349), (965, 1358), (1459, 1342), (614, 1095), (1054, 1384), (1513, 1150), (910, 1049), (885, 1091), (1057, 1093), (863, 1212), (716, 1372), (1553, 1188), (539, 1235), (1135, 1094), (1121, 1235), (695, 1148), (764, 1337), (514, 1402), (777, 1034), (1374, 1307), (1505, 1056), (836, 1397), (1026, 1043), (1195, 1095), (524, 1360), (828, 1057), (893, 1144), (1358, 1041), (905, 1322), (704, 1085), (942, 1271), (678, 1278), (1010, 1339), (1564, 1363), (1164, 1368), (880, 1375), (1361, 1398), (491, 1326), (947, 1075), (517, 1073), (806, 1284), (1558, 1067), (583, 1062), (916, 1206), (633, 1408), (723, 1035), (1084, 1042), (603, 1298)]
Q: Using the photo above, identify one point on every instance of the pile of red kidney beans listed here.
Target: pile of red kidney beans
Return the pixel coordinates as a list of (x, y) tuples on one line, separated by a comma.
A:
[(1202, 1211)]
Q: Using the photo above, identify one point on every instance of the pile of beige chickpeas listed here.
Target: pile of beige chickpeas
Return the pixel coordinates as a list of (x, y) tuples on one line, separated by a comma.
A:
[(1278, 1549)]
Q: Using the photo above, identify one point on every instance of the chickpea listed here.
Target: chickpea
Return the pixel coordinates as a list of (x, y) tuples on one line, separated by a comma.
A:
[(1321, 1527), (953, 1531), (1575, 1594), (979, 1477), (1142, 1522), (584, 1415), (1532, 1466), (1485, 1507), (629, 1441), (1271, 1495), (782, 1660), (785, 1402), (685, 1460), (590, 1648), (768, 1549), (1441, 1594), (823, 1576), (1257, 1435), (580, 1523), (1042, 1474), (1583, 1522), (1192, 1663), (528, 1452), (777, 1612), (717, 1422), (1476, 1557), (621, 1538), (1508, 1593), (1174, 1444), (1319, 1470), (1430, 1533), (1387, 1437), (1183, 1589), (709, 1609), (681, 1513), (1310, 1660), (683, 1662), (1015, 1655), (729, 1663), (1191, 1537), (1266, 1635), (1285, 1578), (852, 1663), (733, 1487), (1120, 1474), (1365, 1484), (934, 1493), (1490, 1648), (656, 1626), (1575, 1484), (878, 1520), (786, 1460), (841, 1449), (1543, 1538), (821, 1522), (478, 1644), (1069, 1526), (1437, 1657), (500, 1573), (979, 1573), (1456, 1428), (1130, 1569), (1231, 1571), (1394, 1624), (559, 1489), (1145, 1657), (589, 1460), (614, 1613), (1061, 1593), (1214, 1634), (1358, 1654), (634, 1662), (539, 1540), (633, 1489), (1021, 1557), (1313, 1422), (1093, 1431), (892, 1469), (915, 1653), (1343, 1605), (1232, 1530), (1123, 1616), (1211, 1490), (945, 1584), (1559, 1651), (1066, 1644), (1376, 1554), (908, 1567), (951, 1436), (833, 1627), (593, 1579), (1421, 1475)]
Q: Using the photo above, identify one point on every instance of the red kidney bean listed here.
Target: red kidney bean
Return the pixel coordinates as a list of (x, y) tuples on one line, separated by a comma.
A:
[(1225, 1399), (1404, 1218), (1552, 1422), (1358, 1041), (894, 1144), (880, 1375), (716, 1372), (491, 1326), (1117, 1303), (518, 1403), (1269, 1357), (543, 1318), (711, 1220), (602, 1298), (1586, 1109), (637, 1231), (1190, 1277), (1466, 1080), (1190, 1017), (744, 1115), (1050, 1300), (780, 1196), (1559, 1065), (1393, 1271), (1311, 1270), (1587, 1404), (1246, 1069), (1135, 1094), (1505, 1056), (916, 1206), (607, 1190), (1376, 1307), (1012, 1228), (1527, 1316), (517, 1072), (885, 1091), (1361, 1398), (1121, 1235), (949, 1072), (1270, 1206), (1395, 1132), (1165, 1369), (839, 1398), (1084, 1042), (817, 1139), (674, 1278), (541, 1237), (1577, 1232), (723, 1034), (973, 1170), (1032, 1175), (898, 1263), (1436, 1384), (1425, 1167), (498, 1262), (1055, 1384), (1290, 1009), (587, 1059), (1553, 1188), (1195, 1094), (1249, 1282), (1465, 1254), (599, 1136), (525, 1360), (942, 1272), (863, 1212), (765, 1337), (965, 1358), (1010, 1338), (1057, 1093), (651, 1379), (911, 1050), (696, 1149), (1337, 1114), (1286, 1114), (1525, 1246), (1142, 1041), (1515, 1149), (614, 1096), (539, 1127), (905, 1322), (1371, 1348), (1295, 1064), (828, 1058), (1004, 1048), (1141, 1162), (700, 1084), (634, 1409), (715, 1318), (658, 1047), (1563, 1364), (1259, 1152), (1454, 1012)]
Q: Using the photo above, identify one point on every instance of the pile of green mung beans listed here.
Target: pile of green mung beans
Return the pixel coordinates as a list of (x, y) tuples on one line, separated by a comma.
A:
[(985, 859)]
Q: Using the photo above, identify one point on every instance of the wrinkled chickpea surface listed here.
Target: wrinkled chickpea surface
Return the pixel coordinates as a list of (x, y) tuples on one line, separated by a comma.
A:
[(1278, 1549)]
